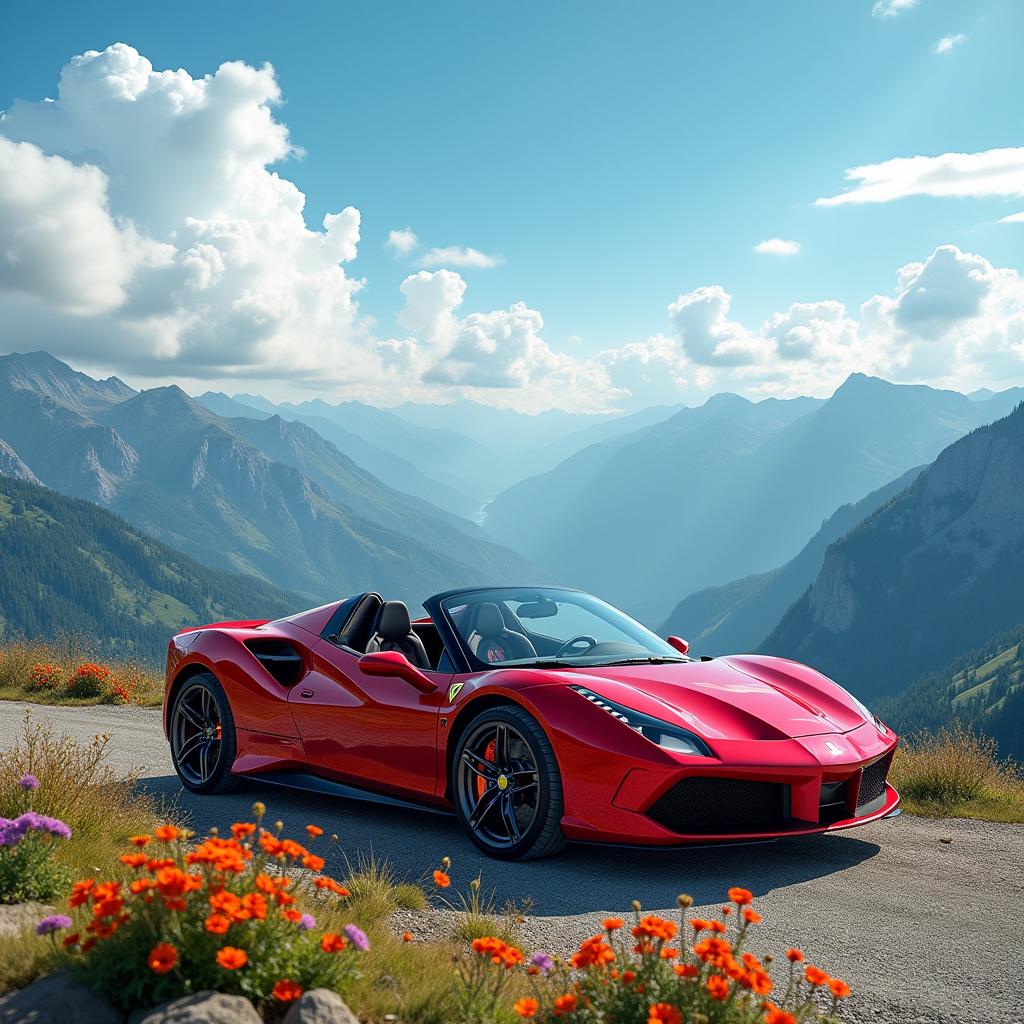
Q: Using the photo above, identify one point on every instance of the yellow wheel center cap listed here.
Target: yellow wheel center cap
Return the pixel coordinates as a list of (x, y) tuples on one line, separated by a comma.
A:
[(502, 782)]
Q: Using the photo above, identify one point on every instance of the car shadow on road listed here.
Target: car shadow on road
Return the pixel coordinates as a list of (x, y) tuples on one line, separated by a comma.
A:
[(581, 879)]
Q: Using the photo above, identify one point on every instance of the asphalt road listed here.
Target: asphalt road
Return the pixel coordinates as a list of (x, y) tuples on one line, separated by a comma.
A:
[(924, 930)]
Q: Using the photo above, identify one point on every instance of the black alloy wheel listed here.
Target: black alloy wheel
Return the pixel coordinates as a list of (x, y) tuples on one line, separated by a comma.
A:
[(202, 733)]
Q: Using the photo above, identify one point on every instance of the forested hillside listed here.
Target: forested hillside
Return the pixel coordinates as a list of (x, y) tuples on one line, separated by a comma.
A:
[(69, 566)]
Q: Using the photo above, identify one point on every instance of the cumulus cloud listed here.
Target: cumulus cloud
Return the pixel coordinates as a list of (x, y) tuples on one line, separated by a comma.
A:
[(708, 336), (458, 256), (778, 247), (890, 8), (994, 172), (402, 242), (946, 43)]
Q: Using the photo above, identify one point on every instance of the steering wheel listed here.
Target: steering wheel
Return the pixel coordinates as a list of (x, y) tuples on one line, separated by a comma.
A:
[(590, 641)]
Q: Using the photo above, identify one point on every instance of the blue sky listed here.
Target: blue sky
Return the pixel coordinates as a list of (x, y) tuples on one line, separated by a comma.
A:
[(615, 156)]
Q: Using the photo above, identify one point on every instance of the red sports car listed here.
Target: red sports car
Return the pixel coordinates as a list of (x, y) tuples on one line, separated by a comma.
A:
[(537, 715)]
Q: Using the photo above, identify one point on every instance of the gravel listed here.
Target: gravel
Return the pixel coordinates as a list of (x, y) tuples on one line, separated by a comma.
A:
[(921, 917)]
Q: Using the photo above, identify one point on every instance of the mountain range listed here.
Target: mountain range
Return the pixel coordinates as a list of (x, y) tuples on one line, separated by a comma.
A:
[(725, 490)]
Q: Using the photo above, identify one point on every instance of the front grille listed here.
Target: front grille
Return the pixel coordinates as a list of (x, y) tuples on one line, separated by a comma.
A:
[(715, 806), (872, 783), (832, 803)]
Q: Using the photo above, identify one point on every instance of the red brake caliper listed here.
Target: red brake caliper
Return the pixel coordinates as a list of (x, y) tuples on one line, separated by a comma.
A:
[(481, 783)]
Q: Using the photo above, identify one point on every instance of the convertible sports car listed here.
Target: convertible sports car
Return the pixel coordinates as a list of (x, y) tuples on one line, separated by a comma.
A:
[(537, 715)]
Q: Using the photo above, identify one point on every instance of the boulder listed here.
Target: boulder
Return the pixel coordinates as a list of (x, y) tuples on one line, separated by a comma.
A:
[(56, 999), (201, 1008), (320, 1006)]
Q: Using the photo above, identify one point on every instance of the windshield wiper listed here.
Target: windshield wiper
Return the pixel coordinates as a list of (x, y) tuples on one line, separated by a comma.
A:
[(652, 660), (543, 664)]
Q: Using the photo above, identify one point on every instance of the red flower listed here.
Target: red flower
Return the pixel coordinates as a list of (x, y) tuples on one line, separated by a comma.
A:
[(741, 897), (286, 990), (839, 988), (331, 942), (565, 1004), (717, 986), (663, 1013), (815, 975), (167, 833), (526, 1007), (162, 958), (794, 956), (231, 958)]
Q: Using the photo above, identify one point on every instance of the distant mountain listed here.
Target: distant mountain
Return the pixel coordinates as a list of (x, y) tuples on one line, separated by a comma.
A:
[(12, 466), (933, 573), (42, 374), (196, 481), (983, 689), (738, 616), (394, 470), (68, 566), (726, 490)]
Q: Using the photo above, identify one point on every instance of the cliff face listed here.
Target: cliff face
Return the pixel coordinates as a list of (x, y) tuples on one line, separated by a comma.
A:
[(12, 466), (943, 560)]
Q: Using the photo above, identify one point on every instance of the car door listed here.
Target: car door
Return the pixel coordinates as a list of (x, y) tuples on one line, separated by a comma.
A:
[(376, 732)]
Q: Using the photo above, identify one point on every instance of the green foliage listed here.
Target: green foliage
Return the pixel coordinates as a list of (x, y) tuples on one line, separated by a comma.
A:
[(69, 566)]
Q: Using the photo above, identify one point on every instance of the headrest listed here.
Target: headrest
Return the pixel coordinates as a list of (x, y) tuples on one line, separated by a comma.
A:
[(488, 620), (393, 621)]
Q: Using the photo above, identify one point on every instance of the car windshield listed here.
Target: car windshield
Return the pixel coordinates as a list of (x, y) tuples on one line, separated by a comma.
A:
[(550, 627)]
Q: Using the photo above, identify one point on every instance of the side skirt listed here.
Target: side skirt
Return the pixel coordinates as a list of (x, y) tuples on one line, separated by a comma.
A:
[(315, 784)]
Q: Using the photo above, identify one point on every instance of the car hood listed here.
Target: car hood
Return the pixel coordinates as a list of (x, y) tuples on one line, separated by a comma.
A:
[(739, 697)]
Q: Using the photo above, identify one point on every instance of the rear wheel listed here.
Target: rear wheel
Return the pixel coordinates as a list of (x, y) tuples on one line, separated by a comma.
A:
[(507, 787), (202, 730)]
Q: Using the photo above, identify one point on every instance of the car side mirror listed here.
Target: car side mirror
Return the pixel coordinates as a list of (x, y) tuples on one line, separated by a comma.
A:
[(396, 664), (681, 645)]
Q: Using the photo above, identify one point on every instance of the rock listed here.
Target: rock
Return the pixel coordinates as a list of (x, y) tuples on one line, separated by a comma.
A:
[(15, 917), (202, 1008), (320, 1006), (56, 999)]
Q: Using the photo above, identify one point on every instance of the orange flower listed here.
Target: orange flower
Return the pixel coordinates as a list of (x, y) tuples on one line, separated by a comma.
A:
[(668, 953), (652, 927), (751, 916), (313, 862), (663, 1013), (218, 924), (286, 990), (699, 924), (499, 952), (612, 924), (565, 1004), (314, 830), (441, 879), (794, 956), (323, 882), (295, 916), (162, 958), (80, 892), (232, 958), (717, 986), (139, 840), (815, 975), (686, 970), (133, 860), (256, 905), (140, 885), (773, 1015), (241, 829), (167, 833), (839, 988), (594, 952), (331, 942), (526, 1007), (407, 936), (741, 897), (159, 863)]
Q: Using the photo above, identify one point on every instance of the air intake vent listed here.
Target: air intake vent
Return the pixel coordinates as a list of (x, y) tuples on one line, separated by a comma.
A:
[(706, 806), (279, 658)]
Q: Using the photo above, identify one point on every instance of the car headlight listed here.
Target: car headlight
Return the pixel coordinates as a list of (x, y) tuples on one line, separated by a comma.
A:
[(868, 714), (665, 735)]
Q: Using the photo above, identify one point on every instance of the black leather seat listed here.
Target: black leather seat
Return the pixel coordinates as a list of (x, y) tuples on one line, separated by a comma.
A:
[(497, 643), (393, 632)]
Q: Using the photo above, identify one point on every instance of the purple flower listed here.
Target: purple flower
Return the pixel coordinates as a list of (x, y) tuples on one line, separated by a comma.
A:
[(11, 831), (53, 923), (357, 937), (542, 962), (306, 923), (41, 823), (28, 782)]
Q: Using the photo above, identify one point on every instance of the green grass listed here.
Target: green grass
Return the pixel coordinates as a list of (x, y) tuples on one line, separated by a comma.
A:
[(68, 652), (956, 774)]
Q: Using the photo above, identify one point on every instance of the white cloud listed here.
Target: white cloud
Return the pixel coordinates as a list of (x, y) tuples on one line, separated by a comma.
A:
[(1013, 218), (708, 336), (890, 8), (458, 256), (994, 172), (946, 43), (402, 242), (778, 247), (655, 369)]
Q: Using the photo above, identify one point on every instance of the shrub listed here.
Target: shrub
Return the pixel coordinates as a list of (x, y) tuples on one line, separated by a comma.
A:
[(44, 676), (28, 870), (652, 974), (950, 767), (90, 680), (222, 915)]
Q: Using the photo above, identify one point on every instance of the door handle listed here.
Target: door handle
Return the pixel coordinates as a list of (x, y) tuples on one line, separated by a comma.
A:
[(305, 693)]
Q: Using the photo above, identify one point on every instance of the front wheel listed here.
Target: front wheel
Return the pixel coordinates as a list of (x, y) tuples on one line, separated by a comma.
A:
[(507, 787), (202, 731)]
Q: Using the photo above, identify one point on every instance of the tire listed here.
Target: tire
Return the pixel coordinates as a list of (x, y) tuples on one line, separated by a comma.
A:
[(199, 706), (518, 818)]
